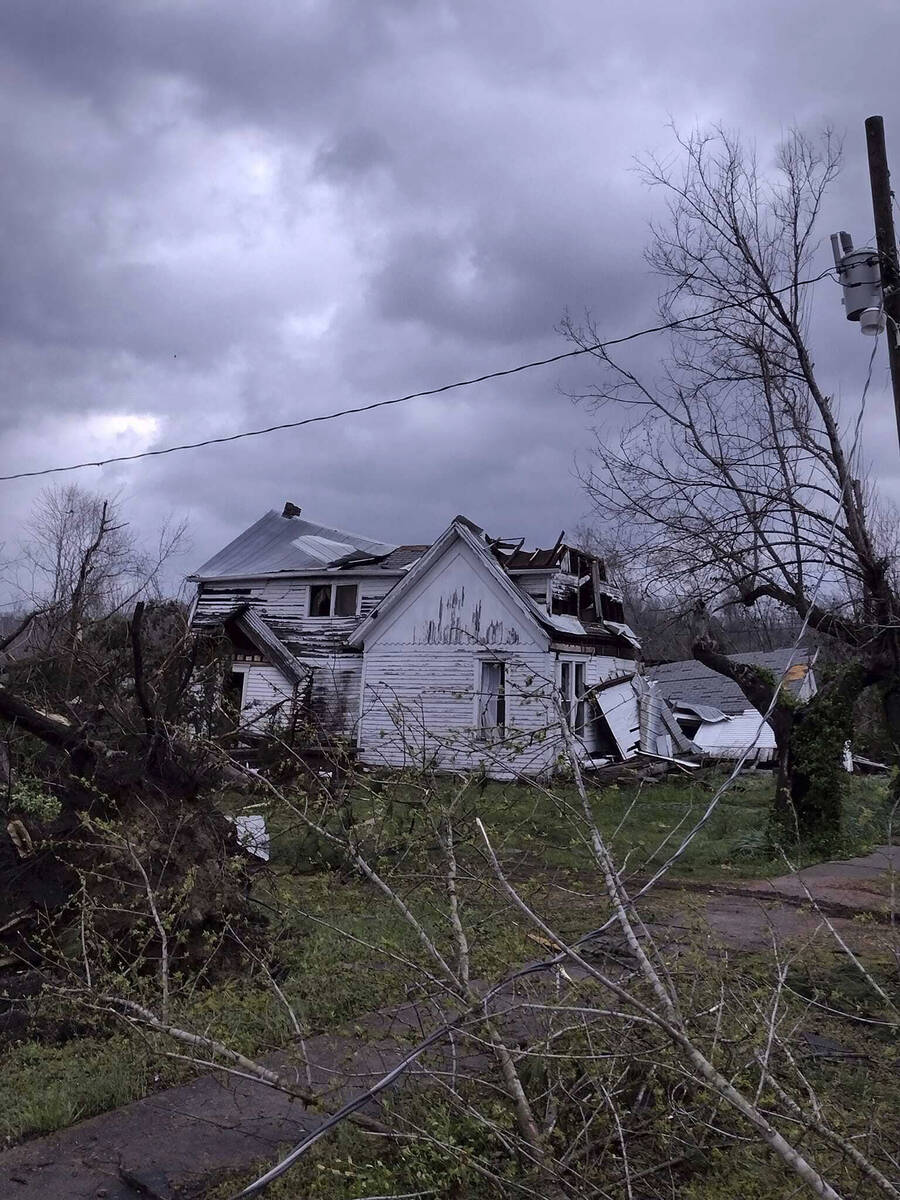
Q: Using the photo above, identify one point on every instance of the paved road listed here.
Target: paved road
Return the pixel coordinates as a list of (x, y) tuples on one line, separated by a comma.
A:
[(855, 883), (172, 1144)]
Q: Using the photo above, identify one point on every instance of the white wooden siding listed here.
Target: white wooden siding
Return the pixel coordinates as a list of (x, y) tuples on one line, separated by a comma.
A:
[(535, 585), (268, 695), (283, 604), (619, 706), (457, 602), (601, 667), (335, 691), (420, 710)]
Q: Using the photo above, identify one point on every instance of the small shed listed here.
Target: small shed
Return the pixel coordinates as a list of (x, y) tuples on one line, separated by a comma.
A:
[(715, 714)]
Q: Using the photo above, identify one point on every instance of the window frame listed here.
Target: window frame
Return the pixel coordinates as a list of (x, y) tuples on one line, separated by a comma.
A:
[(242, 669), (495, 699), (333, 584), (572, 672)]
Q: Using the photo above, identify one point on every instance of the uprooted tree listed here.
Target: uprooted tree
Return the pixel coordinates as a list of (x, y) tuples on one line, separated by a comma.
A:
[(737, 477), (108, 770)]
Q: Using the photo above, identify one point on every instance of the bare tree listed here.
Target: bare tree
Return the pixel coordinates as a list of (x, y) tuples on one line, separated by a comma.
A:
[(736, 478), (658, 614), (81, 560), (100, 716)]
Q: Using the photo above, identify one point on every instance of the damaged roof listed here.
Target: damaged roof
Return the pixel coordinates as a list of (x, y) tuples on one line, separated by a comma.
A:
[(279, 543), (691, 681), (286, 543)]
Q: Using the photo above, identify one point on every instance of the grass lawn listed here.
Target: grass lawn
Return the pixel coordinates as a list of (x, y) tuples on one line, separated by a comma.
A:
[(643, 822), (330, 979)]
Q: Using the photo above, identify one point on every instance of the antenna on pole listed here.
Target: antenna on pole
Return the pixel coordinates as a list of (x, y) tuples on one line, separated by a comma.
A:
[(859, 273)]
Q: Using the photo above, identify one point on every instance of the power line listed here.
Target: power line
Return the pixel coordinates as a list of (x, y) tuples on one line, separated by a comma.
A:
[(447, 387)]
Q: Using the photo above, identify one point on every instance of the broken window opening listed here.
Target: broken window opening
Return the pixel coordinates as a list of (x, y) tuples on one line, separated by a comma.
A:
[(688, 725), (578, 699), (333, 600), (612, 610), (233, 693), (565, 603), (345, 600), (492, 699), (565, 687), (604, 743)]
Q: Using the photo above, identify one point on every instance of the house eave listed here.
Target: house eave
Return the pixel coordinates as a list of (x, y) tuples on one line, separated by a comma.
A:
[(305, 573), (593, 645)]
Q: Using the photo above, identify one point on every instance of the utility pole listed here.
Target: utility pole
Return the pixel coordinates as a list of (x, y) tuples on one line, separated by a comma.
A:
[(886, 241)]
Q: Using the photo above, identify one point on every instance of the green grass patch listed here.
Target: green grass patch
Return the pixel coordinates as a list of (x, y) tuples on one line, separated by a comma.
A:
[(643, 822), (43, 1088), (338, 952)]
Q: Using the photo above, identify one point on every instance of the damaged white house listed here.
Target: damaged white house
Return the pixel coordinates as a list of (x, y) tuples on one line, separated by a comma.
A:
[(456, 655)]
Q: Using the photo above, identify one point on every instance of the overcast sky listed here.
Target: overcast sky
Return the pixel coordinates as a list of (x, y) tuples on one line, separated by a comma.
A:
[(218, 214)]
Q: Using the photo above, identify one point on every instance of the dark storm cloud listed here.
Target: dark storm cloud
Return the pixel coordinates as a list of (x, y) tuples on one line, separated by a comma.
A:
[(276, 61), (352, 154), (218, 215)]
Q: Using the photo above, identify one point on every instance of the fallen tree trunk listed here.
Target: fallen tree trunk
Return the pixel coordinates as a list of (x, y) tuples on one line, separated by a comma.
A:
[(110, 820)]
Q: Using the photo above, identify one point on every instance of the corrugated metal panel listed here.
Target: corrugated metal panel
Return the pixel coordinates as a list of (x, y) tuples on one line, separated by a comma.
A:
[(563, 623), (660, 733), (654, 737), (323, 550), (619, 705), (729, 739), (625, 631), (270, 545), (680, 740), (704, 711)]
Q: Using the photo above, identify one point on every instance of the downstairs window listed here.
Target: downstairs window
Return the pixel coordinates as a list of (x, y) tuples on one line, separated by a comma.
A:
[(572, 695), (492, 699)]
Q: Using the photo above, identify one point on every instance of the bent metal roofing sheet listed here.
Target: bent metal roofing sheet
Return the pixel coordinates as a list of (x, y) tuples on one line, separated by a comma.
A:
[(276, 543)]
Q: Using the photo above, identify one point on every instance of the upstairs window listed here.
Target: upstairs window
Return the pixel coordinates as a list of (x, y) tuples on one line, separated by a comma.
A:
[(492, 699), (612, 610), (333, 599), (320, 600), (345, 599)]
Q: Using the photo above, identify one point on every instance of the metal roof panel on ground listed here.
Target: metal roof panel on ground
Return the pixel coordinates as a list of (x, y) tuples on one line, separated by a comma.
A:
[(276, 544)]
